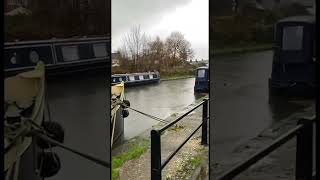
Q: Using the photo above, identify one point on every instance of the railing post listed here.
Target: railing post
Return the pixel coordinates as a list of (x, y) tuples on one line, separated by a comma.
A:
[(155, 155), (317, 124), (304, 151), (204, 136)]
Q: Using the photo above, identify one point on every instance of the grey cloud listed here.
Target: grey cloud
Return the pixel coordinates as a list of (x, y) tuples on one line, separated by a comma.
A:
[(126, 13)]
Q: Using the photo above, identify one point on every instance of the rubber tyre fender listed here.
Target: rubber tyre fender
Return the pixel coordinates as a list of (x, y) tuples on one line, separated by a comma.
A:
[(126, 102), (125, 113), (55, 130), (48, 164)]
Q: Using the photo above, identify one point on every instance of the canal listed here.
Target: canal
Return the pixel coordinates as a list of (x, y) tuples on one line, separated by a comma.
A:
[(240, 101), (160, 100), (240, 107), (79, 104)]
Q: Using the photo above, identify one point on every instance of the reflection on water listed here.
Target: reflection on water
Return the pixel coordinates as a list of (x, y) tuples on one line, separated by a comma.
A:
[(160, 100), (282, 107)]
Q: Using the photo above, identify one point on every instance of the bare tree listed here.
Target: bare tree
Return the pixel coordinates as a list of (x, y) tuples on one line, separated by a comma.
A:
[(135, 42)]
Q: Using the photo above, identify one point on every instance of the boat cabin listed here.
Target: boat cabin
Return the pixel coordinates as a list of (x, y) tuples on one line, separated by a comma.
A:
[(60, 56), (293, 65), (136, 78), (202, 79)]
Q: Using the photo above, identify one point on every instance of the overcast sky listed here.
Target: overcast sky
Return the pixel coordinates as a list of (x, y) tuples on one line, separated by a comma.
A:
[(161, 17)]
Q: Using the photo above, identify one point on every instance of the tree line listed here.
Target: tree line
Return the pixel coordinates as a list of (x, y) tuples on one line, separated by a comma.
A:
[(139, 52)]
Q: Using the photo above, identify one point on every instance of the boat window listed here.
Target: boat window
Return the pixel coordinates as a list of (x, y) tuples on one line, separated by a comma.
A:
[(155, 76), (136, 77), (201, 73), (100, 50), (131, 78), (292, 38), (70, 53), (145, 76), (114, 80), (34, 56), (13, 59), (141, 77)]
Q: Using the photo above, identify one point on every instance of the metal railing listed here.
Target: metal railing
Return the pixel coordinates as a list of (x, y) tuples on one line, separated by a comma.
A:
[(156, 164), (305, 145)]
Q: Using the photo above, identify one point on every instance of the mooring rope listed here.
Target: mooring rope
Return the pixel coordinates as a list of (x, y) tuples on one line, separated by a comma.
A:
[(46, 136), (40, 132), (145, 114), (86, 156)]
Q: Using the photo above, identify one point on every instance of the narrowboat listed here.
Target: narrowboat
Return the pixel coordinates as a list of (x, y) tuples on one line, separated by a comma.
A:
[(118, 113), (24, 96), (294, 59), (136, 78), (202, 79), (60, 56)]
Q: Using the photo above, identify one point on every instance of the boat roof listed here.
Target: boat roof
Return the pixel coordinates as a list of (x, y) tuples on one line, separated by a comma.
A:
[(203, 67), (298, 19), (130, 74)]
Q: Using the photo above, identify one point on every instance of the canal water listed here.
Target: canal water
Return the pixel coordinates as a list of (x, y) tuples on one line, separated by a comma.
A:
[(241, 107), (79, 104), (160, 100)]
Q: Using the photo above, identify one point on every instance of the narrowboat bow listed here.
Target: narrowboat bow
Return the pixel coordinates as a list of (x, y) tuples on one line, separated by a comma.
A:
[(202, 79), (294, 60)]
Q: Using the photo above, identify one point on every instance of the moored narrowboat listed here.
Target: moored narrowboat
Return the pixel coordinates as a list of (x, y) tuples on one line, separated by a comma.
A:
[(202, 79), (294, 66), (118, 113), (25, 156), (59, 55), (136, 78)]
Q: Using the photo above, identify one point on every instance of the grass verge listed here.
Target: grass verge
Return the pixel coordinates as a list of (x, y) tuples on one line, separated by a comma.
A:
[(175, 77), (134, 152)]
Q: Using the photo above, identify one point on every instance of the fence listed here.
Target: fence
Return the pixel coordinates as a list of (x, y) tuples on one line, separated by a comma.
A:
[(156, 164), (304, 132)]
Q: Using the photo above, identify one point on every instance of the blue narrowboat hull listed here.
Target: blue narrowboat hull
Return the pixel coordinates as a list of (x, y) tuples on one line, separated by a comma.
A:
[(293, 67), (277, 87), (143, 82), (201, 84)]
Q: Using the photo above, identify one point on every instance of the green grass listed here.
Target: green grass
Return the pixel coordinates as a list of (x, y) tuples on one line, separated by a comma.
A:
[(191, 164), (175, 77), (135, 151), (195, 161)]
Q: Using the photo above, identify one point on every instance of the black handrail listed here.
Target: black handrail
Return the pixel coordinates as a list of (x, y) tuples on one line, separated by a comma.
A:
[(304, 152), (156, 164)]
